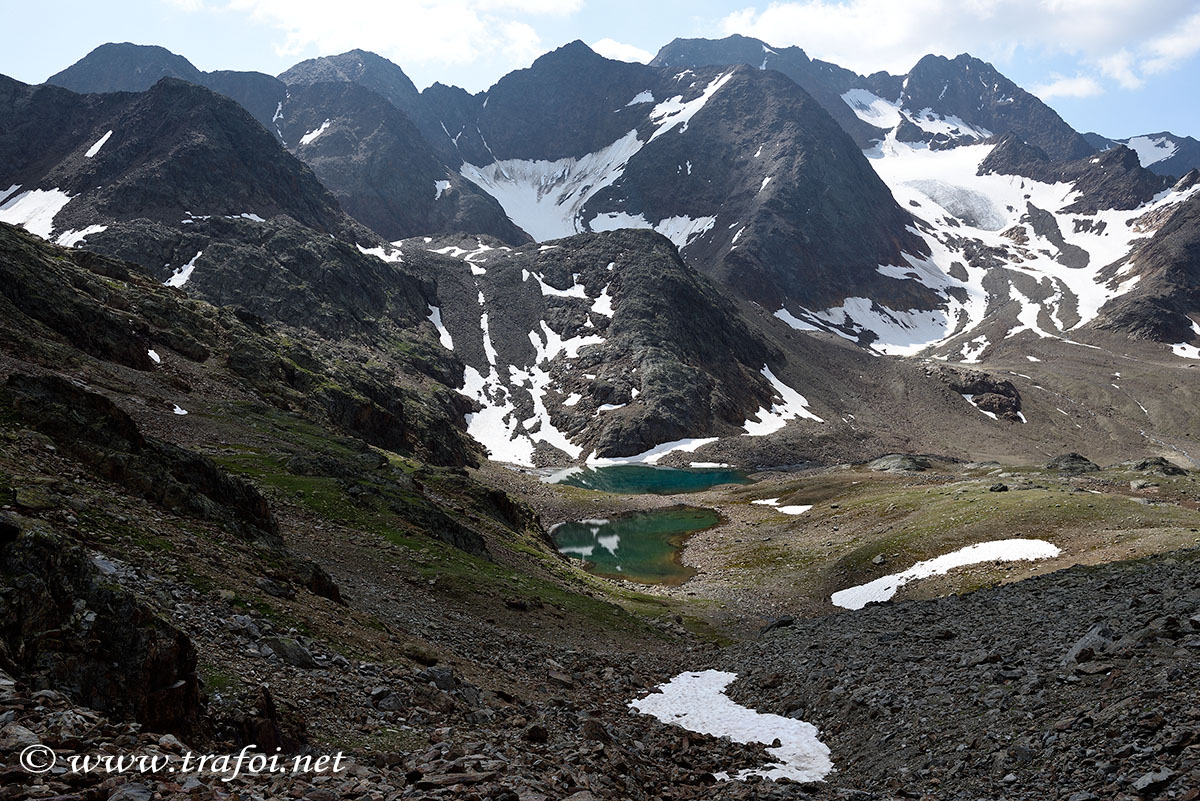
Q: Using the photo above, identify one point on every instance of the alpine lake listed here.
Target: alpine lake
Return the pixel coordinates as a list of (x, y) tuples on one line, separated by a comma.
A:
[(642, 547)]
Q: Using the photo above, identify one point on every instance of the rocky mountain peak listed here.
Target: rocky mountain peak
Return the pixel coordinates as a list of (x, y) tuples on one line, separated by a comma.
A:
[(124, 67), (357, 66)]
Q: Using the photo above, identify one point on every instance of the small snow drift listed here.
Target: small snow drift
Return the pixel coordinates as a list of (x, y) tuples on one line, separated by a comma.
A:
[(882, 589), (651, 456), (697, 702), (787, 510), (312, 135), (181, 274)]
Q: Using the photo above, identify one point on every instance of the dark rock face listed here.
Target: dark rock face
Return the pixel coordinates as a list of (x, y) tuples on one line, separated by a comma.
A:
[(900, 463), (63, 626), (1157, 465), (266, 727), (377, 159), (1184, 151), (177, 151), (359, 67), (258, 93), (570, 102), (381, 169), (1166, 301), (97, 432), (135, 68), (1112, 179), (1087, 659), (975, 92), (76, 296)]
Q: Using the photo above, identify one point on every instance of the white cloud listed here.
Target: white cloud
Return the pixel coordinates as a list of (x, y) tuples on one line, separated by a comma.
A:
[(1122, 40), (408, 31), (1120, 66), (619, 51), (1174, 47), (1062, 86)]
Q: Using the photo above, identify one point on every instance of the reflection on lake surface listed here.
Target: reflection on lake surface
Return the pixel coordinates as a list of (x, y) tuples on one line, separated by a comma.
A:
[(642, 547), (637, 478)]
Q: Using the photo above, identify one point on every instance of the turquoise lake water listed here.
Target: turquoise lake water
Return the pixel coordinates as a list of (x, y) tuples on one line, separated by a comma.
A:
[(632, 479), (642, 547)]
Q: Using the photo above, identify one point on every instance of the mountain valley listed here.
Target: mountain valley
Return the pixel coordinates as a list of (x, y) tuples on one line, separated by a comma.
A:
[(302, 375)]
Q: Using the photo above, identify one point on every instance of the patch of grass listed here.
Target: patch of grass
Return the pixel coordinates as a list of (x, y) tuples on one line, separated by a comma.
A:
[(218, 679), (380, 740), (922, 522)]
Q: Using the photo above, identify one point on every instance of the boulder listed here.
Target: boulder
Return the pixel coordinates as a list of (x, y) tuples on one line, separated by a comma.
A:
[(899, 463), (1072, 463)]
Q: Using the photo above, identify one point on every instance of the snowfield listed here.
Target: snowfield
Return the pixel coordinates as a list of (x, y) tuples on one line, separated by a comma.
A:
[(944, 190)]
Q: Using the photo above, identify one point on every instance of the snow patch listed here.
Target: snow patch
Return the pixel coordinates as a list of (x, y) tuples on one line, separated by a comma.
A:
[(680, 230), (792, 405), (653, 455), (882, 589), (787, 510), (439, 187), (382, 253), (676, 112), (154, 357), (34, 210), (793, 321), (1186, 351), (697, 702), (872, 109), (182, 274), (603, 303), (435, 317), (1151, 150), (645, 96), (545, 197), (312, 135), (71, 238), (971, 400)]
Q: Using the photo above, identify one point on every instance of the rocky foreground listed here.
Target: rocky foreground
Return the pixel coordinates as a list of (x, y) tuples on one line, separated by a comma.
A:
[(1079, 685)]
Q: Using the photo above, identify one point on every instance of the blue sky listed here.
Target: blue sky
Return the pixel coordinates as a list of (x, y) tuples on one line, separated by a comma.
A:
[(1113, 66)]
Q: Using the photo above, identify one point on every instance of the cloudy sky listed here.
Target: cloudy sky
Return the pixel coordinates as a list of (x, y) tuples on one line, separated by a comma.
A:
[(1113, 66)]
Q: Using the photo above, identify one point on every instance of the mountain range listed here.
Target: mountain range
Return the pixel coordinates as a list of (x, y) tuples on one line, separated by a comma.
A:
[(946, 212)]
